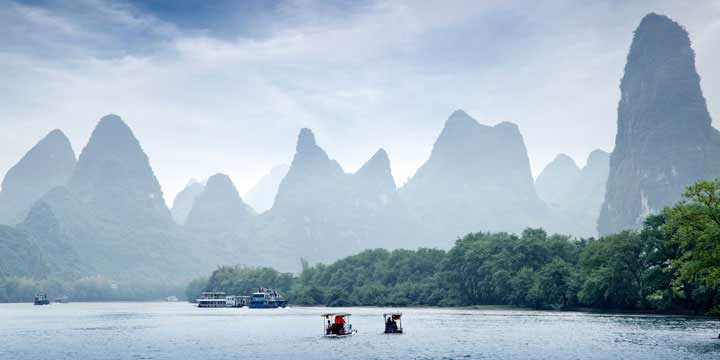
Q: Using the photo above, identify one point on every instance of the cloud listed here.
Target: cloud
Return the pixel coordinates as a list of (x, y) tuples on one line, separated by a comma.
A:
[(378, 74)]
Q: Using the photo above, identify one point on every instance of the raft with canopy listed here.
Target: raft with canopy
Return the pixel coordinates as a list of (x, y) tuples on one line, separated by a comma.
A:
[(337, 324)]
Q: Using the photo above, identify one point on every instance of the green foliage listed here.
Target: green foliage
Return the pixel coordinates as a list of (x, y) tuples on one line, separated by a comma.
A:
[(672, 264), (693, 228), (241, 280)]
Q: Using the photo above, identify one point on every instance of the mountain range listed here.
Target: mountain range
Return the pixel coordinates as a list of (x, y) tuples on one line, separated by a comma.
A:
[(105, 213)]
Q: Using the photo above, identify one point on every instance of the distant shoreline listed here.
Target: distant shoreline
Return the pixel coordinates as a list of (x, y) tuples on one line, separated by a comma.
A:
[(457, 308)]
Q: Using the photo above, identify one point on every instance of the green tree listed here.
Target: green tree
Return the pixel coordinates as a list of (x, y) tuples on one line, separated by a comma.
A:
[(694, 226)]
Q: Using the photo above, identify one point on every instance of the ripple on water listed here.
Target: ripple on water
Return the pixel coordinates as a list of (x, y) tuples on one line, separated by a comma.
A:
[(180, 331)]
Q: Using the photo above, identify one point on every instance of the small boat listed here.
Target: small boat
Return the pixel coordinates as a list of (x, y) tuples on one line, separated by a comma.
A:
[(393, 323), (237, 301), (212, 299), (266, 298), (171, 298), (62, 300), (41, 299), (338, 325)]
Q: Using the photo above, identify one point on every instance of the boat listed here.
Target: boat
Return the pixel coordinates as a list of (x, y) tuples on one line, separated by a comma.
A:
[(338, 325), (212, 299), (266, 298), (393, 323), (41, 299), (237, 301), (171, 298), (62, 300)]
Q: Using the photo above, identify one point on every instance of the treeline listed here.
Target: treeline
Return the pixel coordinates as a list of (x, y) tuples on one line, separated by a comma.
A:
[(671, 265), (94, 288)]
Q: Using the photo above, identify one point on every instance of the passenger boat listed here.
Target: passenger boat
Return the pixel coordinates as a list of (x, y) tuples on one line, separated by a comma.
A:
[(41, 299), (237, 301), (266, 299), (212, 299), (338, 325), (393, 323)]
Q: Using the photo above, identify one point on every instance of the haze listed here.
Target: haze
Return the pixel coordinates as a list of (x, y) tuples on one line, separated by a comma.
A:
[(209, 90)]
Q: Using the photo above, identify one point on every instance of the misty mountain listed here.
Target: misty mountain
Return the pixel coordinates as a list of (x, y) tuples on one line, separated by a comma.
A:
[(20, 256), (665, 140), (219, 208), (555, 183), (477, 179), (373, 185), (112, 215), (321, 212), (48, 164), (262, 195), (184, 201), (574, 195), (113, 176), (58, 253)]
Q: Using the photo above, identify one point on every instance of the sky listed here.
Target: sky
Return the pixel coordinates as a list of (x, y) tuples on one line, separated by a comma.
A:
[(225, 86)]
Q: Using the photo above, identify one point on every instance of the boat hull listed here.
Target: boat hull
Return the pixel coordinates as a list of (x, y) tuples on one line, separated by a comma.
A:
[(268, 305)]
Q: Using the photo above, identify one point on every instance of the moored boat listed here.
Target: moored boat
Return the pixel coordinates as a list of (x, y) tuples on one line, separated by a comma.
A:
[(237, 301), (41, 299), (266, 298), (212, 299)]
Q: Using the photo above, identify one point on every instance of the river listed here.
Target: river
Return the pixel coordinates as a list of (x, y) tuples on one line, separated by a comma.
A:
[(180, 331)]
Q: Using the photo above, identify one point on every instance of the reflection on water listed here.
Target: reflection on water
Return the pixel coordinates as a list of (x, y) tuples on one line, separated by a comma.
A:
[(181, 331)]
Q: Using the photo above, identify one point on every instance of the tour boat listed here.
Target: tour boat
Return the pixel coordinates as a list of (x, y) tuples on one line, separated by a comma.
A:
[(338, 325), (266, 299), (41, 299), (237, 301), (393, 323), (212, 299)]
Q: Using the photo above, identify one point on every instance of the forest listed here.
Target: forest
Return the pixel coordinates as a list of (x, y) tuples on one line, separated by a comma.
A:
[(670, 265)]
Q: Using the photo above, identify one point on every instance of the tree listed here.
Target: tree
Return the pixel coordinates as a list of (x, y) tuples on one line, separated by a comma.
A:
[(694, 226)]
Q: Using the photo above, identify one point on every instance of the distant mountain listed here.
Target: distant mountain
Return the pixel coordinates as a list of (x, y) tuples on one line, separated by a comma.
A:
[(112, 216), (321, 212), (477, 179), (311, 179), (184, 201), (373, 185), (219, 208), (59, 255), (113, 176), (665, 140), (48, 164), (20, 256), (555, 183), (574, 195), (262, 195)]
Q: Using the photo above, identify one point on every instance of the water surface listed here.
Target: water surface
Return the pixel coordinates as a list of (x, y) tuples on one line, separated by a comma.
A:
[(181, 331)]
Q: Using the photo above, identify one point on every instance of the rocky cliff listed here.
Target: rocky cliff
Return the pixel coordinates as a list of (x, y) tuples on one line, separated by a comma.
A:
[(665, 140)]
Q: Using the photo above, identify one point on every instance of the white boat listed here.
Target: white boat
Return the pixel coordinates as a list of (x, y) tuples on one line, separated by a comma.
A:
[(237, 301), (212, 299)]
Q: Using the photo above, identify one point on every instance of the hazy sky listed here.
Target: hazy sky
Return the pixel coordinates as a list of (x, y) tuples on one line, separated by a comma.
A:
[(225, 86)]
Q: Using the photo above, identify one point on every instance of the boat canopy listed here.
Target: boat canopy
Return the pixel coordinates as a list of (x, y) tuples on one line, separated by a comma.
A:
[(393, 314), (335, 314)]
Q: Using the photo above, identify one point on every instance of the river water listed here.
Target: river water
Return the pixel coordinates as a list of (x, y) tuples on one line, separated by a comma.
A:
[(180, 331)]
